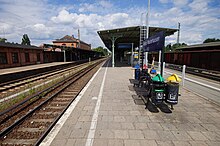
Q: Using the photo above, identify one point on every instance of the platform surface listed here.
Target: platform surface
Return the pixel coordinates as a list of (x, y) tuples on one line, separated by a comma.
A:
[(108, 112), (30, 67)]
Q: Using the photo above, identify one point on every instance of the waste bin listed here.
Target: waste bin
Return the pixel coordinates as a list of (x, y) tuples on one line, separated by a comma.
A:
[(172, 89), (137, 72), (158, 89), (153, 71)]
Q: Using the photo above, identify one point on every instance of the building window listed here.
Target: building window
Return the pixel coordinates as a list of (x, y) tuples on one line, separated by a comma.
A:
[(38, 56), (3, 58), (27, 58), (14, 57)]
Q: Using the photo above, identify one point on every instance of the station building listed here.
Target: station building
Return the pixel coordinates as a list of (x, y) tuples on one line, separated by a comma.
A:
[(72, 49), (14, 55), (70, 41)]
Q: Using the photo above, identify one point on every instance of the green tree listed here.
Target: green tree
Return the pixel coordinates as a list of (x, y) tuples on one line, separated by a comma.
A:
[(208, 40), (173, 47), (3, 40), (101, 50), (25, 40)]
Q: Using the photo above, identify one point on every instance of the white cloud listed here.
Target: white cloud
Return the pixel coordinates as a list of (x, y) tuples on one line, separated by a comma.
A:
[(106, 4), (164, 1), (175, 2), (64, 17), (180, 2), (199, 6), (99, 7), (45, 22)]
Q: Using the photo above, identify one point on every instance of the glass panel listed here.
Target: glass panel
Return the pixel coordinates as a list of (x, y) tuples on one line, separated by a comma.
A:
[(3, 58), (14, 57)]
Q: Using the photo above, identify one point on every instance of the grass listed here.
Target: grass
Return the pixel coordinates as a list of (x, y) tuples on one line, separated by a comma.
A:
[(19, 98)]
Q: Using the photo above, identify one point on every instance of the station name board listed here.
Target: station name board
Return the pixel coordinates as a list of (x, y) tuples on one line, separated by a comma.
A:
[(154, 43)]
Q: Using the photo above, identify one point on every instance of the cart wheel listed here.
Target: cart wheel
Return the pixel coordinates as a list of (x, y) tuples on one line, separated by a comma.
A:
[(172, 107)]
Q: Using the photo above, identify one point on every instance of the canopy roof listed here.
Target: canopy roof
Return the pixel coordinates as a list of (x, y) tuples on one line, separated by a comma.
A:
[(19, 46), (204, 46), (129, 35)]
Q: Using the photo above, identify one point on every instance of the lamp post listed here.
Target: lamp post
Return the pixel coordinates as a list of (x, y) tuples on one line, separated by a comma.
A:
[(113, 38), (148, 14)]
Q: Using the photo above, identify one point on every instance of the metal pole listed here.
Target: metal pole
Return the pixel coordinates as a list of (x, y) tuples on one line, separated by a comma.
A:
[(64, 55), (178, 35), (113, 52), (146, 59), (148, 15), (113, 39), (159, 62), (141, 34), (183, 75), (162, 59), (132, 54), (163, 68), (79, 37)]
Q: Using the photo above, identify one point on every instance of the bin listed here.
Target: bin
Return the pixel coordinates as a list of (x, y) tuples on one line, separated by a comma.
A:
[(172, 92), (158, 89), (137, 72), (153, 71), (172, 89)]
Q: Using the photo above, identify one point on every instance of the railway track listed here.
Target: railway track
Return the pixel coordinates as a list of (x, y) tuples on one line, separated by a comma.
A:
[(213, 75), (28, 122), (11, 87), (18, 92)]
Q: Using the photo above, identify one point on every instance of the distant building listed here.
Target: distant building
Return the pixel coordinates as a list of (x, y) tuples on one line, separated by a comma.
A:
[(70, 41), (14, 55)]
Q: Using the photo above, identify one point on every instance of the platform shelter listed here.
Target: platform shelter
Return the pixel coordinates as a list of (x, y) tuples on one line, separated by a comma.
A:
[(123, 41)]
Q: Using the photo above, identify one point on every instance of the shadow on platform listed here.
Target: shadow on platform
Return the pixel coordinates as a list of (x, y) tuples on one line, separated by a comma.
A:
[(117, 64), (143, 98)]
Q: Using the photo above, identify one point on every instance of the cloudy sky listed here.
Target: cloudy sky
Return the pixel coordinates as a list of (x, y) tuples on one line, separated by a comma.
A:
[(47, 20)]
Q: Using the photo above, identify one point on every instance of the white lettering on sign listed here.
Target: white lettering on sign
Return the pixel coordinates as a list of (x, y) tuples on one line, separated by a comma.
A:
[(154, 40)]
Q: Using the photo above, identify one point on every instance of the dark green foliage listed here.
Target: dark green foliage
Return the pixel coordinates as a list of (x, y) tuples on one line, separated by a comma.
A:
[(101, 50), (208, 40), (3, 40), (25, 40), (173, 47)]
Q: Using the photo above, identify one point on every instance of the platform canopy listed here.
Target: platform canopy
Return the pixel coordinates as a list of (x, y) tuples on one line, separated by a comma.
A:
[(130, 35)]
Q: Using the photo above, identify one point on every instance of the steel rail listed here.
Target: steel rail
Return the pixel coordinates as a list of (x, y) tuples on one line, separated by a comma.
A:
[(33, 96), (76, 77), (56, 119), (34, 76)]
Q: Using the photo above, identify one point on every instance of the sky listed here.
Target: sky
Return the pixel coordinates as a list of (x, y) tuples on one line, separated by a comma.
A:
[(48, 20)]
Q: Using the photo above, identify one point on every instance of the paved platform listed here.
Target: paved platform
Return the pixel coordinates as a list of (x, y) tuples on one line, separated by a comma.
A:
[(30, 67), (108, 112)]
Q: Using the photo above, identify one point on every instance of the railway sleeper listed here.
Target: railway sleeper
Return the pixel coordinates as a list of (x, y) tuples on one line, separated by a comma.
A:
[(68, 95), (62, 99), (55, 107), (42, 120), (24, 129), (18, 142), (59, 103), (47, 113)]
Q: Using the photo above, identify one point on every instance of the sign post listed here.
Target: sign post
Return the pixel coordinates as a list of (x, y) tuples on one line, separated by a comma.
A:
[(154, 44)]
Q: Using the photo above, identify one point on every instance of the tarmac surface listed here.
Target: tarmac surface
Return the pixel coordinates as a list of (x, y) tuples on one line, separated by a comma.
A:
[(109, 112)]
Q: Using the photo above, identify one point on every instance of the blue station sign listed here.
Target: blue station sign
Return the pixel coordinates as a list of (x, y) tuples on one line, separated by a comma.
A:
[(154, 43)]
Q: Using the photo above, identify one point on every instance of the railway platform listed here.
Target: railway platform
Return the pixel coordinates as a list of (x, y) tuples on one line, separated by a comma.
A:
[(109, 112), (16, 73), (30, 67)]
